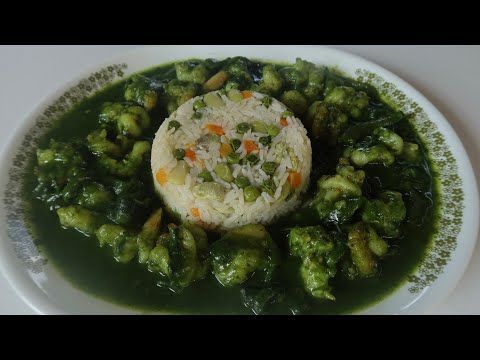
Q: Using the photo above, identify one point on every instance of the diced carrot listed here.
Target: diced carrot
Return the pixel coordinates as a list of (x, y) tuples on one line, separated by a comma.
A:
[(295, 179), (283, 122), (249, 146), (247, 94), (215, 129), (225, 149), (161, 176), (190, 154), (195, 212)]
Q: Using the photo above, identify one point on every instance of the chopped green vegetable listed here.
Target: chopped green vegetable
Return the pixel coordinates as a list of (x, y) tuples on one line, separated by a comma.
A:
[(244, 127), (250, 193), (241, 181), (269, 167), (179, 154), (224, 172)]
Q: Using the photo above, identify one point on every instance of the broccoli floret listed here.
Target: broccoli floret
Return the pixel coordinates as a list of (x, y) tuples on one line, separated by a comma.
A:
[(242, 253), (294, 100), (377, 154), (123, 243), (349, 100), (141, 92), (191, 72), (390, 139), (271, 82), (180, 256), (77, 217), (386, 213)]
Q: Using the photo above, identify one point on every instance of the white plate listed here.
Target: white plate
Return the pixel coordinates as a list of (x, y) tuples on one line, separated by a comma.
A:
[(41, 286)]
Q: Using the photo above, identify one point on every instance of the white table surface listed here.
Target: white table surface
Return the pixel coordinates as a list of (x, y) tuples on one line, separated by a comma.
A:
[(449, 76)]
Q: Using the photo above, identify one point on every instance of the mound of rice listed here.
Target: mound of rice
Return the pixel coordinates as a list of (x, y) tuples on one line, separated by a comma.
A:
[(204, 136)]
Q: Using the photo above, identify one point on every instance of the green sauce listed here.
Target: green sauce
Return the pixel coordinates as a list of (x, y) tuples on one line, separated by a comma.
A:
[(94, 270)]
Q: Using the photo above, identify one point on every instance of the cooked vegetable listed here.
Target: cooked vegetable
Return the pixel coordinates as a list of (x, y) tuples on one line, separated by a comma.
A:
[(251, 193), (148, 235), (140, 90), (123, 243), (386, 213), (348, 99), (391, 140), (319, 256), (377, 154), (78, 218), (130, 164), (216, 81), (271, 82), (295, 101), (411, 152), (191, 72), (245, 253), (224, 172), (128, 120), (180, 257)]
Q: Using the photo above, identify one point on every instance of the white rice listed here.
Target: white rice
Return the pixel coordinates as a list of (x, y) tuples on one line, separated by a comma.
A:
[(233, 211)]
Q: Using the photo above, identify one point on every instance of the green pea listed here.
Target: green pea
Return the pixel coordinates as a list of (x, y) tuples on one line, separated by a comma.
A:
[(250, 193), (179, 154), (198, 104), (235, 143), (267, 101), (174, 124), (259, 126), (223, 172), (244, 127), (265, 140), (235, 95), (206, 176), (197, 115), (269, 187), (269, 167), (287, 113), (233, 158), (241, 181), (273, 130), (252, 159)]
